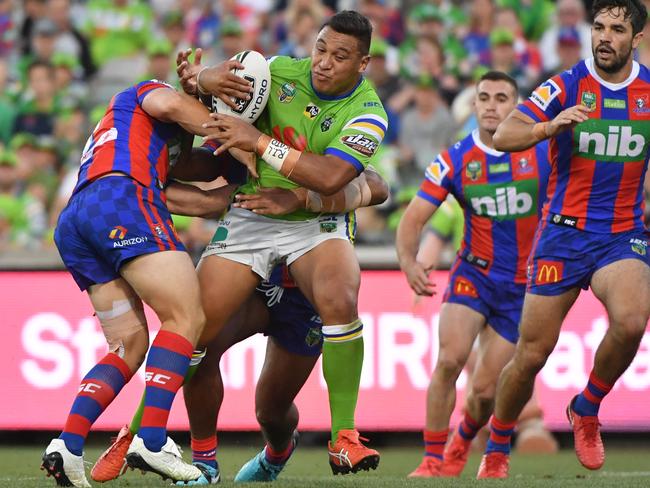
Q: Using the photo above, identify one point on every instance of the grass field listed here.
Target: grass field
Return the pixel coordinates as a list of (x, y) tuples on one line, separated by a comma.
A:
[(19, 467)]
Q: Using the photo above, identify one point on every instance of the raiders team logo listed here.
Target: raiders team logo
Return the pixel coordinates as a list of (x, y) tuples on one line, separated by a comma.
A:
[(326, 124)]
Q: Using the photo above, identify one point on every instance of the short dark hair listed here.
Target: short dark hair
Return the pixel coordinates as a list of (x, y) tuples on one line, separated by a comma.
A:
[(500, 76), (635, 11), (353, 24)]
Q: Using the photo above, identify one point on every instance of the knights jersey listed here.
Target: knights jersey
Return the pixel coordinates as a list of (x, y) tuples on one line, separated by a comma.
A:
[(598, 168), (501, 195), (350, 126), (130, 141)]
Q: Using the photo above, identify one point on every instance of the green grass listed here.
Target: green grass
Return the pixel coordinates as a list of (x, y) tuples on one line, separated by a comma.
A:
[(624, 468)]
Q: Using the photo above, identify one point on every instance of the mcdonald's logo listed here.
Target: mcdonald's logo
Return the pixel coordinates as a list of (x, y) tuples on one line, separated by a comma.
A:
[(118, 232), (465, 287), (548, 272)]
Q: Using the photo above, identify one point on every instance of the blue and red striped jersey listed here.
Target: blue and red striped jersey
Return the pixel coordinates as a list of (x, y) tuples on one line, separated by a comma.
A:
[(130, 141), (598, 168), (502, 196)]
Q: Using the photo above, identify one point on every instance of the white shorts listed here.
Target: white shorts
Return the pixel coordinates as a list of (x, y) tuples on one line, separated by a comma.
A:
[(262, 242)]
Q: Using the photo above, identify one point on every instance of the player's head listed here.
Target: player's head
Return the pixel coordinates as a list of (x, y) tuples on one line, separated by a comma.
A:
[(616, 30), (496, 97), (340, 53)]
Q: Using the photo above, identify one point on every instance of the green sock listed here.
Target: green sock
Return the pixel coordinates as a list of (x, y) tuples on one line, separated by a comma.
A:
[(197, 357), (342, 363)]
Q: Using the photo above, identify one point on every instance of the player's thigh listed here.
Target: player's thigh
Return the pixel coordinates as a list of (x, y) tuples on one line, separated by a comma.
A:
[(251, 318), (283, 375), (494, 352), (458, 327), (225, 285), (541, 321), (329, 276), (624, 288), (167, 282)]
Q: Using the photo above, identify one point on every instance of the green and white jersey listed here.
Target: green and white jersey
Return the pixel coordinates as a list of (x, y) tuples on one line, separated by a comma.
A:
[(350, 126)]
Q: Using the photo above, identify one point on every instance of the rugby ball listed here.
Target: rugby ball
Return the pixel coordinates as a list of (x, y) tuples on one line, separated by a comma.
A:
[(256, 70)]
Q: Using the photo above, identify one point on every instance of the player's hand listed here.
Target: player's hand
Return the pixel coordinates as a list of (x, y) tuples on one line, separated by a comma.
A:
[(418, 278), (568, 119), (187, 71), (270, 201), (247, 158), (232, 132)]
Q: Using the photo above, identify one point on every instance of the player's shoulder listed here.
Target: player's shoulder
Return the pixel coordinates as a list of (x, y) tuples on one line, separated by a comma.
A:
[(644, 73), (456, 152), (280, 65), (364, 102)]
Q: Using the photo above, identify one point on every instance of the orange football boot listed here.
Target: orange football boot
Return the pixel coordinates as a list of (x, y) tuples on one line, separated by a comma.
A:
[(493, 465), (428, 468), (349, 455), (586, 436), (111, 463), (455, 455)]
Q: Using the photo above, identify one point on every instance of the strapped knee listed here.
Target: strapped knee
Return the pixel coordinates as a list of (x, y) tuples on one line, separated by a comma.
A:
[(119, 323)]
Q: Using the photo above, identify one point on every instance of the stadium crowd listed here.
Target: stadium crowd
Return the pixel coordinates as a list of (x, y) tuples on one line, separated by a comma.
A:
[(61, 60)]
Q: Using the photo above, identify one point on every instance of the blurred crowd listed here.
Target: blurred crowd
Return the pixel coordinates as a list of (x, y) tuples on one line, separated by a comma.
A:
[(62, 60)]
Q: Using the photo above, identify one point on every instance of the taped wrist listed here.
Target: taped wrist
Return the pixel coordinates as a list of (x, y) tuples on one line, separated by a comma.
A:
[(278, 155)]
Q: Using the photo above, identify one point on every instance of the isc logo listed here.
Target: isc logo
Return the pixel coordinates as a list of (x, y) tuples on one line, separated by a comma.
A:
[(158, 378), (620, 141), (506, 202)]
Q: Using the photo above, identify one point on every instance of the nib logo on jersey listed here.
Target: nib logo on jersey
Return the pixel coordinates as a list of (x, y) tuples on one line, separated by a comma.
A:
[(612, 140), (504, 201), (118, 235)]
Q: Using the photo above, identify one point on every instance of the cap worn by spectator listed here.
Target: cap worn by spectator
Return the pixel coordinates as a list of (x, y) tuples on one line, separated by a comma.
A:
[(378, 48), (22, 139), (427, 12), (500, 37), (568, 36), (231, 27), (65, 60), (45, 27), (7, 158), (159, 47)]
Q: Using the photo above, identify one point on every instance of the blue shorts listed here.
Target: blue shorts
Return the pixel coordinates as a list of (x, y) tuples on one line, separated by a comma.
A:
[(564, 258), (293, 321), (499, 302), (109, 222)]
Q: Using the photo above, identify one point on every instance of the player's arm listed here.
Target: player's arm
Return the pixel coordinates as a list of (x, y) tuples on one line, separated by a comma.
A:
[(185, 199), (519, 132), (168, 105), (417, 214), (325, 174), (201, 165), (369, 188)]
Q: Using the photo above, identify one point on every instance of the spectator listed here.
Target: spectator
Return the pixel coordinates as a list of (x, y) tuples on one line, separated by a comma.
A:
[(570, 13), (302, 34), (6, 28), (33, 10), (385, 84), (42, 46), (160, 66), (37, 108), (7, 108), (173, 26), (287, 17), (569, 52), (386, 21), (480, 25), (425, 130), (71, 91), (69, 40), (502, 57)]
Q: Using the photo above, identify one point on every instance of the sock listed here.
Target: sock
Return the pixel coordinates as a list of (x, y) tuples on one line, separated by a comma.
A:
[(500, 434), (588, 402), (167, 364), (205, 451), (278, 457), (342, 363), (468, 427), (97, 390), (434, 443), (197, 357)]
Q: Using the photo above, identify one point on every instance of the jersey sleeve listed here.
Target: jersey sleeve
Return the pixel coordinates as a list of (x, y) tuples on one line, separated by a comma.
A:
[(145, 87), (546, 101), (438, 179), (360, 137)]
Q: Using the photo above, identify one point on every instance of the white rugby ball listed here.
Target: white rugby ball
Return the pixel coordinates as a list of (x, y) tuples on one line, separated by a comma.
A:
[(256, 70)]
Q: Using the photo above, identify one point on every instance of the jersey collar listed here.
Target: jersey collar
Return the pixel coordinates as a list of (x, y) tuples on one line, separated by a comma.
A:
[(329, 98), (589, 63), (483, 147)]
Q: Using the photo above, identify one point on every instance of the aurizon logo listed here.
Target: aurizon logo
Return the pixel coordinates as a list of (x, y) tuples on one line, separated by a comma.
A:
[(611, 140), (504, 201)]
